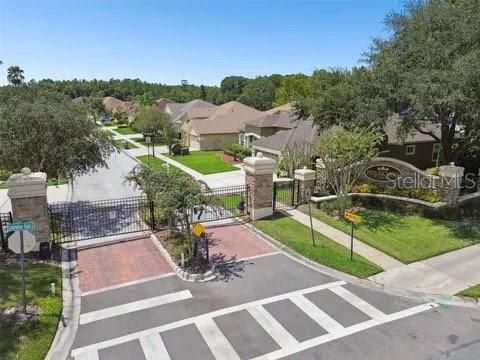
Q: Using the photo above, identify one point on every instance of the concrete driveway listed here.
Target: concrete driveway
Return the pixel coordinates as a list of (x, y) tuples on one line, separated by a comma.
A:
[(268, 307)]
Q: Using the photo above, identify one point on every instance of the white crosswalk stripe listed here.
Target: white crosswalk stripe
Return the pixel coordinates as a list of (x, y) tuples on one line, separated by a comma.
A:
[(216, 341), (278, 333), (359, 303), (154, 348), (134, 306), (314, 312)]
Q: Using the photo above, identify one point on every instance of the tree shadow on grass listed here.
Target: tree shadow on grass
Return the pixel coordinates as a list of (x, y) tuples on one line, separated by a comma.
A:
[(381, 221)]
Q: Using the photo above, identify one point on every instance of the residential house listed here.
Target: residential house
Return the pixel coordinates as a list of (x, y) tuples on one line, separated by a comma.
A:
[(162, 102), (414, 147), (113, 105), (177, 111), (217, 127)]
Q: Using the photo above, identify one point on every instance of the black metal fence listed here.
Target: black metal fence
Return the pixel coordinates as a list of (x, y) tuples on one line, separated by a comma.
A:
[(84, 220), (5, 219), (285, 194), (221, 203)]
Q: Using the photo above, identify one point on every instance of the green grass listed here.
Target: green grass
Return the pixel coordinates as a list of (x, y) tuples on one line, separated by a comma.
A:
[(125, 130), (205, 162), (120, 144), (472, 292), (408, 238), (109, 123), (327, 252), (154, 163), (30, 340)]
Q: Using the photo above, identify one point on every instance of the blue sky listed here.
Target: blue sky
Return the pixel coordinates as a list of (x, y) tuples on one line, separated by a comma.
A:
[(200, 41)]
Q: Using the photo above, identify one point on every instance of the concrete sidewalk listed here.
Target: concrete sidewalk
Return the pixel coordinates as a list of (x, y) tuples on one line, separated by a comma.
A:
[(385, 261), (444, 274)]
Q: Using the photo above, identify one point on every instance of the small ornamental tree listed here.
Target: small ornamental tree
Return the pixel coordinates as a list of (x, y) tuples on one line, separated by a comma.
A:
[(174, 192), (344, 154)]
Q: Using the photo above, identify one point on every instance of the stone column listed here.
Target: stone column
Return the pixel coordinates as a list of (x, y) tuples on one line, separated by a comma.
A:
[(259, 180), (321, 175), (306, 179), (450, 182), (28, 195)]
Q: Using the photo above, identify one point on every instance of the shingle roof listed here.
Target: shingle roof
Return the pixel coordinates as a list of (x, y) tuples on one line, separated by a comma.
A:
[(224, 119), (395, 137), (280, 119), (162, 102), (177, 112), (304, 131)]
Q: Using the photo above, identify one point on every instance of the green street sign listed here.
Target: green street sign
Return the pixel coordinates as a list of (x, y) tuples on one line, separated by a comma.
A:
[(21, 226)]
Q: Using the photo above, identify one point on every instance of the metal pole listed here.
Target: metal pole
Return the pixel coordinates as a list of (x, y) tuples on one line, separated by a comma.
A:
[(153, 146), (351, 243), (311, 222), (23, 273)]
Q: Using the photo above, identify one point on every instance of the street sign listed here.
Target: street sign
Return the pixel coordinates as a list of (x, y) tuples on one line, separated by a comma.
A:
[(15, 243), (198, 229), (352, 217), (21, 226)]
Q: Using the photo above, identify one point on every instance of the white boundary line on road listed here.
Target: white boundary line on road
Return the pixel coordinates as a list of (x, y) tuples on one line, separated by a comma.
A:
[(134, 306), (316, 314), (359, 303), (154, 348), (345, 332), (191, 320), (130, 283)]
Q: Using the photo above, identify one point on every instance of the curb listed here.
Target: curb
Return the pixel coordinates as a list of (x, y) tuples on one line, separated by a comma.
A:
[(182, 274), (70, 316), (420, 297)]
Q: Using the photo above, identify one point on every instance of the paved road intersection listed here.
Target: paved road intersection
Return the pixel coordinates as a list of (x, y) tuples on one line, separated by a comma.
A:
[(269, 307)]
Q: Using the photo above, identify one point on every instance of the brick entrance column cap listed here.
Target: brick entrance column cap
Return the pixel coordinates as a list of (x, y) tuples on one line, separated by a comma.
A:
[(319, 163), (27, 184), (304, 174), (259, 165)]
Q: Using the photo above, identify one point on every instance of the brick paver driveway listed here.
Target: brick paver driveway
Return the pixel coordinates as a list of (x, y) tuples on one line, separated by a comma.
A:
[(111, 264)]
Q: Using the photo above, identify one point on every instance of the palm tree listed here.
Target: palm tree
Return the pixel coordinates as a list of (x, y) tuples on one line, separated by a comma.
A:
[(15, 75)]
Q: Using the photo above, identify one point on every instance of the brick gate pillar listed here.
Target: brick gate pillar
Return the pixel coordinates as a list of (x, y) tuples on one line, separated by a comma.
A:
[(259, 180), (306, 179), (450, 182), (28, 195)]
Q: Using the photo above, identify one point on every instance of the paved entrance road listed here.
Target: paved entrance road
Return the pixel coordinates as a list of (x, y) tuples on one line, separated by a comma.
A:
[(269, 308), (108, 183)]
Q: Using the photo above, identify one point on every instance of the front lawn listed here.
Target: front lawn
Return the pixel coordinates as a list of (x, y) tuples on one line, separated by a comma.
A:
[(121, 144), (408, 238), (127, 130), (327, 252), (472, 292), (155, 162), (205, 162), (29, 340)]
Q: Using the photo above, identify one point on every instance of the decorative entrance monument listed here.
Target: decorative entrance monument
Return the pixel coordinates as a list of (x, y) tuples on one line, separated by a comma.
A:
[(28, 195)]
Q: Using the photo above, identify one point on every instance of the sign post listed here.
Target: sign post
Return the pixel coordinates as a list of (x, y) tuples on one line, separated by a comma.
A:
[(354, 219), (148, 139), (199, 230), (26, 244)]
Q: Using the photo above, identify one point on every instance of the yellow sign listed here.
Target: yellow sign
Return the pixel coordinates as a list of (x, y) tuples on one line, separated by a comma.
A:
[(352, 217), (198, 229)]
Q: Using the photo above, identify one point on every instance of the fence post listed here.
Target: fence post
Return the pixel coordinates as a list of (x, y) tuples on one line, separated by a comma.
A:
[(152, 215), (305, 179), (274, 194)]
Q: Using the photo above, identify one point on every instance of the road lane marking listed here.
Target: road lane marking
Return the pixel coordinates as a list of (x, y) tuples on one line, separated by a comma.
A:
[(359, 303), (316, 314), (130, 283), (134, 306), (91, 355), (154, 348), (216, 341), (274, 355), (188, 321), (278, 333)]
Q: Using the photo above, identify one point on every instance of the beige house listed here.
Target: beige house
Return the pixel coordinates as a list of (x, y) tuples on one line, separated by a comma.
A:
[(215, 128)]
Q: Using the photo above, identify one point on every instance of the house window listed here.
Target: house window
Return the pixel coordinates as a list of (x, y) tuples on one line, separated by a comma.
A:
[(437, 148), (410, 150)]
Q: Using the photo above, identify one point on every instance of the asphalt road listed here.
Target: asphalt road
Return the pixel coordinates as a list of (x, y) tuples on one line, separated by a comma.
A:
[(106, 183), (269, 308)]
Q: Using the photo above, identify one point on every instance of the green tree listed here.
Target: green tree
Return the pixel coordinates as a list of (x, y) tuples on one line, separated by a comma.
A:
[(15, 75), (232, 87), (429, 71), (145, 99), (203, 93), (344, 154), (292, 88), (150, 120), (258, 93), (45, 131)]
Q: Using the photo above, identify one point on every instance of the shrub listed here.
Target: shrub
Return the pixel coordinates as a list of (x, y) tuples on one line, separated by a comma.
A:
[(364, 188), (239, 150), (432, 171)]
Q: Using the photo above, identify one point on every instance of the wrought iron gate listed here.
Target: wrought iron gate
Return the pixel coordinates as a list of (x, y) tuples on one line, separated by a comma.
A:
[(285, 193), (5, 219), (82, 220)]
